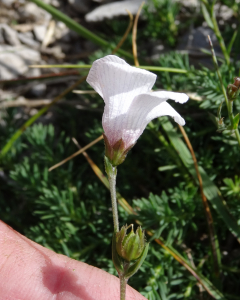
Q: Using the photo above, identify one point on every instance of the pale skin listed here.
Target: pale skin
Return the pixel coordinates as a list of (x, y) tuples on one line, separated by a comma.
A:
[(29, 271)]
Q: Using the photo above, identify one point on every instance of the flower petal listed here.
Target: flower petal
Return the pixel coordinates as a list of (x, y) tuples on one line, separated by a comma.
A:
[(118, 83), (144, 108), (115, 80), (149, 106), (92, 78), (177, 97)]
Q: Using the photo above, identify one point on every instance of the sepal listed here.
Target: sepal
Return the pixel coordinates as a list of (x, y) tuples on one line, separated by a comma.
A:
[(117, 152), (130, 246), (117, 260), (135, 266), (109, 168)]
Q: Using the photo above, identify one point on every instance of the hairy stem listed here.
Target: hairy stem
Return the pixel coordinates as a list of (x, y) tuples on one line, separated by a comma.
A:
[(123, 284), (112, 174)]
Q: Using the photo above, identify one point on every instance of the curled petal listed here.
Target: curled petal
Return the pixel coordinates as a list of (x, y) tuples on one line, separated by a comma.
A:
[(165, 95), (149, 106)]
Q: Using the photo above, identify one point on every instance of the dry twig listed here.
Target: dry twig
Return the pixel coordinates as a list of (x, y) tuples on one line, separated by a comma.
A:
[(134, 36)]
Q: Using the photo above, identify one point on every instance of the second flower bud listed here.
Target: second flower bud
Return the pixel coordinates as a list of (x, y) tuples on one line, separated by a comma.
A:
[(130, 246)]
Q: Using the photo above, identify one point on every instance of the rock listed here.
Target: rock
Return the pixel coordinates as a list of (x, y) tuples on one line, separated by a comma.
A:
[(32, 11), (14, 61), (7, 3), (27, 38), (189, 3), (55, 3), (62, 32), (115, 9), (223, 12), (9, 35), (37, 89), (81, 6), (2, 41), (39, 32), (196, 39), (101, 1)]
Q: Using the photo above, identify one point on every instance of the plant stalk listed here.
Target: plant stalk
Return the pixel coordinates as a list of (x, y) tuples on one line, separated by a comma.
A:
[(229, 104), (219, 36), (112, 174), (123, 284)]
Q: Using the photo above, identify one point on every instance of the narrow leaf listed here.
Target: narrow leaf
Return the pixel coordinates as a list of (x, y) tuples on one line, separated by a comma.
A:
[(236, 121), (207, 16)]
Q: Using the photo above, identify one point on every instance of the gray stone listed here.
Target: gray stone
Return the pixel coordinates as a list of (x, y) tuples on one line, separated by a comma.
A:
[(189, 3), (62, 32), (81, 6), (115, 9), (223, 12), (2, 41), (37, 88), (39, 32), (196, 39), (14, 61), (9, 35), (27, 38), (31, 10), (7, 3)]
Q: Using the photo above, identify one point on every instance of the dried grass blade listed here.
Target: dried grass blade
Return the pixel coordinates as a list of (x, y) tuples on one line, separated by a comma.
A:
[(76, 153), (134, 36)]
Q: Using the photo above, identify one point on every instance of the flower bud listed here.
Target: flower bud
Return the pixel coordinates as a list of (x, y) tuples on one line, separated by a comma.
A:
[(130, 246), (233, 89)]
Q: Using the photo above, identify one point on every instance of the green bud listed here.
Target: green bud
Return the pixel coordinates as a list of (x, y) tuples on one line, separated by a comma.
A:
[(130, 246)]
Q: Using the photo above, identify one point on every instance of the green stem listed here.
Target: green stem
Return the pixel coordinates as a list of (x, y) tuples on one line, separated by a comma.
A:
[(230, 107), (150, 68), (123, 284), (229, 104), (237, 136), (219, 36), (112, 174), (123, 281), (230, 111)]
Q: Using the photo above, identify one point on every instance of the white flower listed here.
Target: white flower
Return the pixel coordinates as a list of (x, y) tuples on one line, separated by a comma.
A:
[(129, 102)]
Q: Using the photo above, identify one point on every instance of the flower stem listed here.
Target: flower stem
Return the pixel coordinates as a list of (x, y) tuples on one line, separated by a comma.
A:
[(219, 36), (229, 103), (123, 281), (112, 174), (123, 284)]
